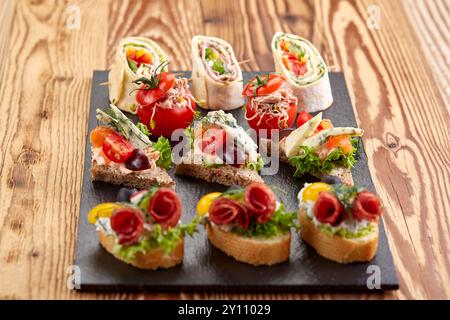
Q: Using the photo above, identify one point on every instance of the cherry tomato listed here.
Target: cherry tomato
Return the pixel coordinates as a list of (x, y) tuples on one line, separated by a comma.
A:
[(342, 141), (145, 97), (263, 85), (116, 148), (213, 140), (166, 121), (269, 122), (302, 118), (98, 135)]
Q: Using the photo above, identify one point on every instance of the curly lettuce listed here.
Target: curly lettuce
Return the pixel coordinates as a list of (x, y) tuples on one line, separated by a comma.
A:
[(165, 153), (281, 223), (158, 238), (309, 163)]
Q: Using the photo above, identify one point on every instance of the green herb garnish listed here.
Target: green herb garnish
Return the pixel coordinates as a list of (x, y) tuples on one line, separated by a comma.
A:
[(165, 152)]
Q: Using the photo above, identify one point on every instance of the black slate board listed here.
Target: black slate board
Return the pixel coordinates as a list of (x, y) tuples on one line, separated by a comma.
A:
[(206, 268)]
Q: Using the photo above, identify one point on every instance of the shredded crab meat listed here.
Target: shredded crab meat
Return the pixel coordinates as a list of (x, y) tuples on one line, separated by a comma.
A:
[(178, 96), (231, 70), (275, 105)]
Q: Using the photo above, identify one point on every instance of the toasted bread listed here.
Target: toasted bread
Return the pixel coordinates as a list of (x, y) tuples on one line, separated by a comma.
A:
[(225, 175), (136, 179), (336, 248), (344, 174), (152, 260), (254, 251)]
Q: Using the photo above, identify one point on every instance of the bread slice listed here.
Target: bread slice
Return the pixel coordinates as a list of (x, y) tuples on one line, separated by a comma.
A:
[(254, 251), (343, 173), (152, 260), (226, 175), (336, 248), (136, 179)]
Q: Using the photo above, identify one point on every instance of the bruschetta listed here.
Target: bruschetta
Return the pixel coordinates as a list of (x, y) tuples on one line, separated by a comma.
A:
[(143, 230), (220, 151), (123, 154), (340, 222), (248, 224)]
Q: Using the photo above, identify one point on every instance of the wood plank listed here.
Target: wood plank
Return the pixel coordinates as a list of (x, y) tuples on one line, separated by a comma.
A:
[(390, 91), (48, 69), (431, 21)]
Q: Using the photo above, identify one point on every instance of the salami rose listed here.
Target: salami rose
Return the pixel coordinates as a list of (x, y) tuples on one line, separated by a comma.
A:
[(261, 201), (366, 206), (165, 207), (243, 218), (328, 209), (224, 211), (128, 223)]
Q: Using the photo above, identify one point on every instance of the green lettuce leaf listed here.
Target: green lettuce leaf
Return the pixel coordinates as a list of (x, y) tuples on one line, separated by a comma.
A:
[(257, 166), (165, 152), (281, 223), (143, 128), (158, 237), (309, 163), (344, 233)]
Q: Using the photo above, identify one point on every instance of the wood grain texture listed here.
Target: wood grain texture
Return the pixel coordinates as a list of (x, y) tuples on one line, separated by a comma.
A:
[(45, 89)]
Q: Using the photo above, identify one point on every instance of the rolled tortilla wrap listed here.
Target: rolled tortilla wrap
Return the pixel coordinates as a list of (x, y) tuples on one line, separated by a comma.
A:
[(135, 57), (305, 71), (216, 76)]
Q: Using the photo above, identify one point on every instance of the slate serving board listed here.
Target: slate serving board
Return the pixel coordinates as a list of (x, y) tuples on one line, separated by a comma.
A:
[(206, 268)]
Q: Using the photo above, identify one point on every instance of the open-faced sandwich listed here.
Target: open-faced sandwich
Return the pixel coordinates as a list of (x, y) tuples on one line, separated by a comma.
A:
[(221, 151), (270, 104), (216, 75), (164, 103), (319, 149), (305, 70), (123, 154), (340, 222), (248, 224), (135, 57), (143, 229)]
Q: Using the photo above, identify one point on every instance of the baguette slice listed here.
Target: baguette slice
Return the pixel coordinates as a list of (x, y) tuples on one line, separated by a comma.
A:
[(337, 248), (342, 173), (152, 260), (137, 179), (253, 251), (225, 175)]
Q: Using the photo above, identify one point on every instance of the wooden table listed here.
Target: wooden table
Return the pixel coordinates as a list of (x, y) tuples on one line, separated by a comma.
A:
[(396, 67)]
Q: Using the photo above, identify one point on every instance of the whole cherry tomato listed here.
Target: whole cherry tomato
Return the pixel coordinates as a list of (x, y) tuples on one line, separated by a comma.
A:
[(263, 85)]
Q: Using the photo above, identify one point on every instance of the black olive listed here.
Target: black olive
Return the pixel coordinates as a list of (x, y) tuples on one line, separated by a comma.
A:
[(331, 179), (125, 194), (137, 161)]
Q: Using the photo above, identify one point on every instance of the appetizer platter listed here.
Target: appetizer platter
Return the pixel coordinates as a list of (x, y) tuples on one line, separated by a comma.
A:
[(208, 216)]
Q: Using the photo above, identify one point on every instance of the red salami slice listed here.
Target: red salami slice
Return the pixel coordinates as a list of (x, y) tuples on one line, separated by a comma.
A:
[(165, 207), (366, 206), (224, 210), (243, 218), (261, 201), (328, 209), (128, 223)]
